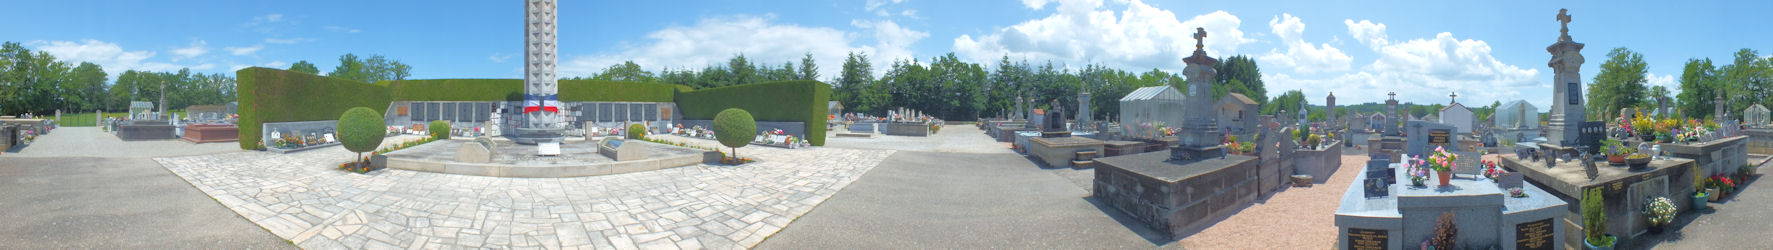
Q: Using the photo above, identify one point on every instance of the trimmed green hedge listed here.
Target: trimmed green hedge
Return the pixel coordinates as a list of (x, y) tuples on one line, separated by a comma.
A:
[(512, 90), (786, 101), (273, 95)]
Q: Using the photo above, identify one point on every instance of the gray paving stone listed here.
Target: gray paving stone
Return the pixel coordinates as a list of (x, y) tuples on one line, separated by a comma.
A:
[(690, 207)]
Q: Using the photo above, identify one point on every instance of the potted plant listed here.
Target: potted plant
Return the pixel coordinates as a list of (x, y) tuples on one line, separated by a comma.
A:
[(1594, 221), (1615, 151), (1442, 163), (1645, 127), (1418, 172), (1699, 191), (1446, 235), (1638, 160), (1517, 192), (1659, 212)]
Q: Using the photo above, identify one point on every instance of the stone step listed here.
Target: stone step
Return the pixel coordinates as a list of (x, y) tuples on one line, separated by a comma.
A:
[(1081, 164)]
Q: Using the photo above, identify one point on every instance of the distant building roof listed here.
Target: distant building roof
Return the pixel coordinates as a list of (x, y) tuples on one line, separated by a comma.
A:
[(141, 105), (1153, 93), (1242, 98)]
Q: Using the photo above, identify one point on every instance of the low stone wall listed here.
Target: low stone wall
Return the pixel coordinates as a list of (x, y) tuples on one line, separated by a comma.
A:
[(206, 133), (1318, 163), (797, 129), (1059, 152), (908, 129), (8, 137), (1719, 156), (146, 131), (863, 127), (1760, 140), (1175, 200)]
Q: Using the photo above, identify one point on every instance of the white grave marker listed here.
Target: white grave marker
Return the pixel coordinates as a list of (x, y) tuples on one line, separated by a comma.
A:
[(548, 148)]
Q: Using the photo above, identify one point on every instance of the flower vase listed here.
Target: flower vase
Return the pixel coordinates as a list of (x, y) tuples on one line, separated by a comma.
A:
[(1714, 194), (1446, 176)]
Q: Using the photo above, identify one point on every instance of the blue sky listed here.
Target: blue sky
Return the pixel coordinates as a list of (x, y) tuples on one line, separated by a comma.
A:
[(1484, 50)]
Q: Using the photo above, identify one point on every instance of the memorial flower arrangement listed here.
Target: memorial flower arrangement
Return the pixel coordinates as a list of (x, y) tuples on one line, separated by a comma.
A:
[(1492, 172), (1722, 183), (1517, 192), (404, 145), (1442, 161), (1659, 211), (1416, 169)]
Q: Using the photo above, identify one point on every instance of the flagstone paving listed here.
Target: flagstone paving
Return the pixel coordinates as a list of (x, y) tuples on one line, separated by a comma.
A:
[(302, 197)]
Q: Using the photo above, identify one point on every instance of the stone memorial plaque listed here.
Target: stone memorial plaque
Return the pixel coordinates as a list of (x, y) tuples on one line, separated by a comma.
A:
[(548, 148), (1512, 180), (1575, 91), (329, 138), (1440, 137), (1530, 235), (1368, 239), (448, 112), (636, 112), (418, 111), (652, 111), (1376, 187), (606, 112), (620, 111)]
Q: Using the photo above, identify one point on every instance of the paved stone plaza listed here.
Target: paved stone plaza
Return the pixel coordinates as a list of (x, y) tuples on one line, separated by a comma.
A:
[(303, 198)]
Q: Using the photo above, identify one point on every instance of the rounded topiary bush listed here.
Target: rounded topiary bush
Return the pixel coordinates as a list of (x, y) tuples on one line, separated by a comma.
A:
[(734, 128), (361, 130), (636, 131), (439, 129)]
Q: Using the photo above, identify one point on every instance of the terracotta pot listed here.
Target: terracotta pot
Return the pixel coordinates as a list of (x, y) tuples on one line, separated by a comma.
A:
[(1446, 176), (1616, 159)]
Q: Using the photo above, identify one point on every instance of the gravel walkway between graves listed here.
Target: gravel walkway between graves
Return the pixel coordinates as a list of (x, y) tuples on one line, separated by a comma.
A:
[(1739, 222), (79, 188), (1294, 218), (929, 200)]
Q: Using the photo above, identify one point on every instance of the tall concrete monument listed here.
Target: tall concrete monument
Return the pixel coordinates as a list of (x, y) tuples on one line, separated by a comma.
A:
[(541, 99), (1200, 134), (1083, 112), (1567, 113), (1330, 113)]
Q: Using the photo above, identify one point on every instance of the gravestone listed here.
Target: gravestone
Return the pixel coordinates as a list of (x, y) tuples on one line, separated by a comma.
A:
[(1200, 135), (1425, 136), (1567, 112)]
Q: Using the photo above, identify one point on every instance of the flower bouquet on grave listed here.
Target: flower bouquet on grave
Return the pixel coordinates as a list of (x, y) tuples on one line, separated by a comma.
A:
[(1443, 164), (1517, 192), (1492, 172), (1659, 212), (1417, 170)]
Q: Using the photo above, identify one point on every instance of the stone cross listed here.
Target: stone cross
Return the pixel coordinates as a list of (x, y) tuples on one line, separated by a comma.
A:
[(1200, 36), (1455, 97), (1564, 19)]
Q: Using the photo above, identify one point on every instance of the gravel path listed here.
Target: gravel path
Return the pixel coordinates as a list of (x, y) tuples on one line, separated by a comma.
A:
[(1294, 218)]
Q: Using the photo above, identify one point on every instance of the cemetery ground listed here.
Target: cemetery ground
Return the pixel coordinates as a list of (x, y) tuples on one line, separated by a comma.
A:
[(80, 188)]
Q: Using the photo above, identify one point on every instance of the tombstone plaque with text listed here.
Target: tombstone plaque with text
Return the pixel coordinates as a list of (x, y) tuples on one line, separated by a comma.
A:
[(1534, 235), (1367, 239)]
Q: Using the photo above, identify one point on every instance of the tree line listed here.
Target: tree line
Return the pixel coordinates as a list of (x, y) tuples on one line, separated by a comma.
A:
[(1622, 83), (949, 88), (37, 82)]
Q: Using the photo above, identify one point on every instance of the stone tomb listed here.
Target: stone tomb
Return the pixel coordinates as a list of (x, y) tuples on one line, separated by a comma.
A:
[(140, 130), (1722, 156), (620, 151), (206, 133), (1486, 215), (1624, 190), (1175, 200), (1061, 151)]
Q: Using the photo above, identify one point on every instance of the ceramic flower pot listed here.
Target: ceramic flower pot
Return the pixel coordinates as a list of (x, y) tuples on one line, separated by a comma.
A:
[(1446, 176), (1586, 245), (1616, 159), (1714, 194), (1699, 201)]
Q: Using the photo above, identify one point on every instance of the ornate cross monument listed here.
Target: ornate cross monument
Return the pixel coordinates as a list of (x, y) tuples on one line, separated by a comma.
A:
[(1567, 113), (541, 99), (1200, 134)]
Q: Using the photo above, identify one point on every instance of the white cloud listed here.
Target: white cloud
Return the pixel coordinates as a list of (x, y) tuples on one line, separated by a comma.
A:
[(875, 4), (341, 29), (1301, 56), (1423, 71), (196, 49), (499, 57), (264, 24), (1035, 4), (712, 41), (1086, 31), (909, 13), (1367, 32), (1666, 81), (244, 51), (276, 64), (113, 58)]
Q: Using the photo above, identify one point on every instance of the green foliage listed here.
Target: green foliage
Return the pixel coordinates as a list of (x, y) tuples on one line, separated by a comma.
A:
[(1620, 83), (376, 68), (361, 129), (439, 129), (636, 132), (1288, 101), (305, 67), (735, 128), (1594, 217), (625, 72), (789, 101), (1748, 80), (512, 90), (1699, 88), (273, 95), (1239, 74), (854, 86)]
